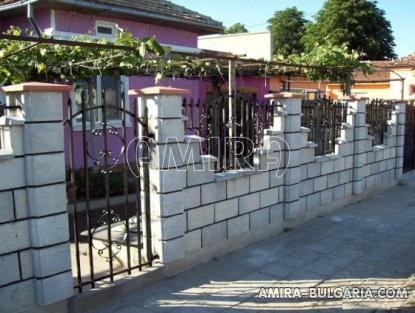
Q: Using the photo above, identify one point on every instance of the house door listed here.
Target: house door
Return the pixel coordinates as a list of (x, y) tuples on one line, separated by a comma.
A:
[(108, 186)]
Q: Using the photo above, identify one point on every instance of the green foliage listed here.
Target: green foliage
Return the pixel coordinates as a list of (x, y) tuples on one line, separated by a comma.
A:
[(331, 62), (22, 61), (236, 29), (359, 24), (287, 28)]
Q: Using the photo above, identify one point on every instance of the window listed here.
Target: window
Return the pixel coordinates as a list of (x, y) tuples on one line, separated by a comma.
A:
[(106, 29), (113, 94), (412, 90)]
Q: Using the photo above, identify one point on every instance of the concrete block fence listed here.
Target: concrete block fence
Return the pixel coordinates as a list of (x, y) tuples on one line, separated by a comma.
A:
[(35, 267), (197, 214), (200, 214)]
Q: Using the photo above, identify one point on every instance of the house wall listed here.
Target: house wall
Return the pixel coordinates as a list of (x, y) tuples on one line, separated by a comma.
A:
[(369, 90), (396, 86), (42, 18), (252, 45)]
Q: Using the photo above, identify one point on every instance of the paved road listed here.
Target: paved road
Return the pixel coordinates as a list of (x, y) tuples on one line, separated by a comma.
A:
[(369, 244)]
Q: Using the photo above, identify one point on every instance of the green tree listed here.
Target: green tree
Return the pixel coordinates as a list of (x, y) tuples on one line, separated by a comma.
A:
[(359, 24), (236, 29), (287, 28)]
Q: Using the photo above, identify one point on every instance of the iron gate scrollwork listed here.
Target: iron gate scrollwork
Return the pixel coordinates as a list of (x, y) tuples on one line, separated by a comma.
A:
[(108, 192)]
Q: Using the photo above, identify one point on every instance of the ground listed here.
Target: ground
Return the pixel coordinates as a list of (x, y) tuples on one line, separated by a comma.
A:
[(369, 244)]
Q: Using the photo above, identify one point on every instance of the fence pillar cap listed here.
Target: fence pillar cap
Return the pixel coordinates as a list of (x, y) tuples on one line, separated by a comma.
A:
[(165, 91), (37, 87), (284, 95)]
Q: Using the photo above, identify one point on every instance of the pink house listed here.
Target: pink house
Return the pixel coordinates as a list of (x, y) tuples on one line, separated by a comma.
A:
[(171, 24)]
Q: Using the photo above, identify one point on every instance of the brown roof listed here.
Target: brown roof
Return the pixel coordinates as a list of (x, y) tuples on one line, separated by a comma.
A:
[(405, 61), (160, 10), (381, 72)]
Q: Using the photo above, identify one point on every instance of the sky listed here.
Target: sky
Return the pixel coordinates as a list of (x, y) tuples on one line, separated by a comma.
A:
[(255, 13)]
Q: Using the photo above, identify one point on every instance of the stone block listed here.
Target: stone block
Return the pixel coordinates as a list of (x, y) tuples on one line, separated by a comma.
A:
[(339, 165), (164, 205), (12, 173), (164, 106), (193, 240), (238, 226), (15, 236), (276, 213), (249, 203), (293, 140), (47, 200), (313, 201), (18, 297), (6, 207), (293, 158), (259, 219), (166, 130), (360, 159), (41, 138), (306, 187), (320, 183), (200, 217), (333, 180), (45, 169), (358, 187), (53, 289), (167, 181), (191, 197), (26, 263), (269, 197), (307, 155), (276, 178), (41, 106), (167, 156), (327, 167), (20, 198), (314, 169), (198, 174), (345, 176), (292, 209), (172, 250), (291, 192), (339, 192), (303, 172), (215, 233), (326, 196), (348, 189), (348, 162), (237, 187), (360, 133), (259, 182), (49, 230), (213, 192), (292, 176), (226, 209), (170, 227), (9, 269), (52, 260)]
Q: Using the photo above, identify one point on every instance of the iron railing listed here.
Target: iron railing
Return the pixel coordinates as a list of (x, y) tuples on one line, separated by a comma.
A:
[(409, 146), (324, 118), (231, 132), (378, 112)]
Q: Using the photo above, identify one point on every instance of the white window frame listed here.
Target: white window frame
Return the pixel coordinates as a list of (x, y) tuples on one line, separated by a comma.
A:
[(113, 26), (77, 125)]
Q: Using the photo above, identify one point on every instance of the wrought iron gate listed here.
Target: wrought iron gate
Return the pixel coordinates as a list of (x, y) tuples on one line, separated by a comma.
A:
[(108, 192), (409, 148)]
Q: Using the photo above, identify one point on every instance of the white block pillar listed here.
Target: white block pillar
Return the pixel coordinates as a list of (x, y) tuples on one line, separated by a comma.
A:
[(167, 170), (288, 120), (357, 118), (399, 112), (44, 168)]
